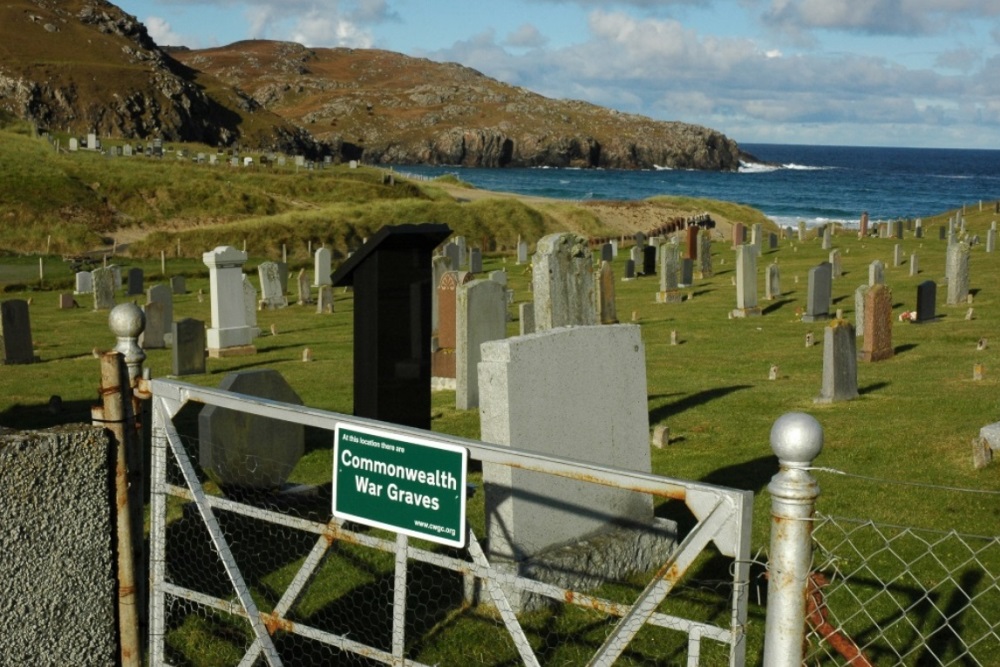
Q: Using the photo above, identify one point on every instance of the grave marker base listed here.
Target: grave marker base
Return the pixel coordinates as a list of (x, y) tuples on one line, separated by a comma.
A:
[(236, 351)]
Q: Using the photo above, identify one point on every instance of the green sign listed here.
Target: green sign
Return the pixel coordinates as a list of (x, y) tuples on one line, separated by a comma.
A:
[(409, 486)]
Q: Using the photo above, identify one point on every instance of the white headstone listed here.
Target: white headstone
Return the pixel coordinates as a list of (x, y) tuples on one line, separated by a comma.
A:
[(230, 329), (271, 294), (321, 267)]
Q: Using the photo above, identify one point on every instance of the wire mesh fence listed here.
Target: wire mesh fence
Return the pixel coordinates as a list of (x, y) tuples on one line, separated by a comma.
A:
[(251, 573), (893, 595)]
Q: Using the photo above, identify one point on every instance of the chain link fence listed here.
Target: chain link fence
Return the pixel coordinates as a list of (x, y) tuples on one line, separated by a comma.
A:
[(893, 595), (251, 574)]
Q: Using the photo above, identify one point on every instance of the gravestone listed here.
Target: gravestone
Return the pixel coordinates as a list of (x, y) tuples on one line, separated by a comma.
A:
[(991, 240), (135, 278), (897, 255), (116, 272), (463, 252), (629, 270), (859, 309), (84, 282), (691, 245), (835, 266), (530, 515), (526, 318), (164, 296), (391, 275), (614, 248), (878, 325), (640, 240), (188, 351), (772, 282), (440, 264), (481, 311), (250, 305), (74, 144), (454, 255), (739, 235), (283, 278), (272, 296), (304, 288), (876, 273), (746, 283), (801, 231), (66, 301), (475, 260), (914, 266), (153, 336), (649, 254), (231, 333), (757, 237), (321, 267), (104, 289), (15, 327), (772, 241), (687, 272), (178, 285), (443, 355), (607, 308), (522, 252), (840, 363), (705, 256), (324, 300), (897, 229), (820, 293), (244, 450), (926, 301), (499, 277), (563, 282), (669, 268), (958, 273), (607, 254), (827, 237)]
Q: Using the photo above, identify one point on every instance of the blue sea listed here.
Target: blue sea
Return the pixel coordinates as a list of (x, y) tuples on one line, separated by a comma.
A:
[(816, 184)]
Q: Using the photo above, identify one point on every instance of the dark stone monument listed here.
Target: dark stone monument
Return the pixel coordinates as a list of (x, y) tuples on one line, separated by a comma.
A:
[(17, 345), (607, 253), (135, 278), (926, 301), (391, 275), (152, 336), (649, 261), (189, 348), (629, 270)]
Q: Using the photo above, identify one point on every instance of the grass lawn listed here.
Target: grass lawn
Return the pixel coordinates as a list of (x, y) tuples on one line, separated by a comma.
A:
[(914, 421)]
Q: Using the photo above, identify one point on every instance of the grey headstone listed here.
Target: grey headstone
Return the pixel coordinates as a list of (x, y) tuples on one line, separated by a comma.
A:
[(746, 282), (840, 363), (772, 283), (324, 300), (84, 282), (272, 295), (481, 315), (178, 285), (245, 450), (859, 309), (526, 315), (958, 273), (563, 282), (876, 273), (670, 261), (820, 294), (104, 289), (629, 270), (476, 260), (188, 352), (153, 335), (164, 296)]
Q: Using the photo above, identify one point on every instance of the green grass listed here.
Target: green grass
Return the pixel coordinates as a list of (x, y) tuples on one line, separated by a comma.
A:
[(914, 421)]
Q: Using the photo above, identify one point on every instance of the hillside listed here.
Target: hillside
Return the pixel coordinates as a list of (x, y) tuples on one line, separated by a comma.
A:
[(386, 107), (80, 66), (86, 66)]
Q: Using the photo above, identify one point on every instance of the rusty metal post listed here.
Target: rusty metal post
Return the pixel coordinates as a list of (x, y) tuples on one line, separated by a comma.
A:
[(797, 439), (116, 415)]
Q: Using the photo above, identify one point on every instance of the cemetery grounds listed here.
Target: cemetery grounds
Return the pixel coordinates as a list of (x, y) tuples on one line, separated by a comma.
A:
[(896, 464)]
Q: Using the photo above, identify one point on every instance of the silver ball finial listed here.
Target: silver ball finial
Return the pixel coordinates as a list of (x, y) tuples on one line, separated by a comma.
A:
[(127, 320), (797, 439)]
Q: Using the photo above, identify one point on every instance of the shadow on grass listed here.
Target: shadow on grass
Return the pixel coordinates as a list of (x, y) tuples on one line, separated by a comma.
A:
[(900, 349), (47, 415), (872, 388), (777, 305), (839, 299), (656, 415)]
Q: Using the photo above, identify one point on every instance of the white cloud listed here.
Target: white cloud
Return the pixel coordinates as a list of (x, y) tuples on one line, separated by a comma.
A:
[(317, 28), (877, 17), (526, 36), (161, 32)]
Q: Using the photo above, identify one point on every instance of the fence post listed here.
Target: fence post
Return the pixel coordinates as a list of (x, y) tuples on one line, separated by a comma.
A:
[(797, 439)]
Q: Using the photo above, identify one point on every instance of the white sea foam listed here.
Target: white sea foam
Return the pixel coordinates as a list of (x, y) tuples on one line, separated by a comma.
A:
[(762, 168), (793, 221)]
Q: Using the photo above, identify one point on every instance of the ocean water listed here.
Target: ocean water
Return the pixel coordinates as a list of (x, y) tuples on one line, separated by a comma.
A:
[(816, 184)]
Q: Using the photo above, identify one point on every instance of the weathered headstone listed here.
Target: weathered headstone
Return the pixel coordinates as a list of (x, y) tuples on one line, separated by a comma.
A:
[(230, 333), (607, 254), (897, 229), (481, 311), (827, 236), (526, 318), (840, 363), (746, 283), (84, 282), (104, 289), (772, 282), (772, 241), (244, 450), (820, 294), (859, 309), (607, 308), (321, 267), (876, 273), (739, 235), (522, 252), (271, 293), (304, 288), (878, 324), (66, 301), (635, 255), (705, 256), (669, 267), (926, 301), (757, 237), (563, 282), (691, 244), (897, 255), (454, 255), (324, 300), (475, 260), (178, 285), (801, 231), (687, 273), (991, 240), (18, 347), (463, 252), (529, 514), (250, 305), (835, 266), (164, 296), (153, 336), (188, 352), (958, 273)]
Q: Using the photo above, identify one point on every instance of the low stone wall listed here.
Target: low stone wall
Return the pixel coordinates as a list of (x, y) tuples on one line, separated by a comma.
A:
[(58, 595)]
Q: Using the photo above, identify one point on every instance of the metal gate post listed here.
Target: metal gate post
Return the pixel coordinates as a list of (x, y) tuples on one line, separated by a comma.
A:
[(797, 439)]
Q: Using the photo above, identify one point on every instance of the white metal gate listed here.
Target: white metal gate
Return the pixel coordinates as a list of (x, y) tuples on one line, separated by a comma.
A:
[(260, 617)]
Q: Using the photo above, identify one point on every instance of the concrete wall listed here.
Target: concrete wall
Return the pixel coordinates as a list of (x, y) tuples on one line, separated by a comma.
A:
[(58, 592)]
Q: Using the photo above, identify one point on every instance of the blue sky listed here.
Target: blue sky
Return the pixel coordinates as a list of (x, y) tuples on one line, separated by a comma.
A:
[(842, 72)]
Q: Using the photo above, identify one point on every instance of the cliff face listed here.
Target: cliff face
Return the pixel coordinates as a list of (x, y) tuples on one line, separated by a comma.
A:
[(86, 66), (390, 108)]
